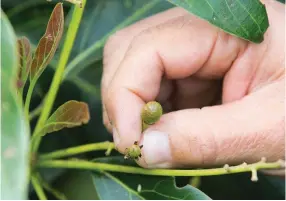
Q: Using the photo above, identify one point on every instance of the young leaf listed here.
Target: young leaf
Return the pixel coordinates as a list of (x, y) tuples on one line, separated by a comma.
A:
[(48, 43), (25, 55), (243, 18), (15, 128), (68, 115), (119, 186)]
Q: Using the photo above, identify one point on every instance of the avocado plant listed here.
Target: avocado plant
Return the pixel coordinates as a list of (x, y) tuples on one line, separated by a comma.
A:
[(22, 65)]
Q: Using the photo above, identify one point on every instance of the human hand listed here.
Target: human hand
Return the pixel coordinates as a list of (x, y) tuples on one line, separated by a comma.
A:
[(185, 63)]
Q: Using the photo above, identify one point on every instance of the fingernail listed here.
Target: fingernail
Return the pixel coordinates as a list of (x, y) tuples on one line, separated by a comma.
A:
[(116, 137), (156, 149)]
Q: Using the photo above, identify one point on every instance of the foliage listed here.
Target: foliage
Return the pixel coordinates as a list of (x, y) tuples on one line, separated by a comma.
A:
[(245, 19), (14, 129), (113, 186), (25, 55), (61, 70)]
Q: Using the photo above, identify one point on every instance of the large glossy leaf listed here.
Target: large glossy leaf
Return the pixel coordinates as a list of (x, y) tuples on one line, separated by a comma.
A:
[(81, 184), (68, 115), (244, 18), (25, 54), (240, 187), (135, 187), (14, 129), (48, 43), (120, 186)]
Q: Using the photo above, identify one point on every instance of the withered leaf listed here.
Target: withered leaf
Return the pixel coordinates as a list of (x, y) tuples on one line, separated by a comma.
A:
[(25, 59), (48, 43), (68, 115)]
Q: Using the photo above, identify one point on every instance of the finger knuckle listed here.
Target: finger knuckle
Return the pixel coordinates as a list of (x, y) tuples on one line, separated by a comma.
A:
[(115, 39)]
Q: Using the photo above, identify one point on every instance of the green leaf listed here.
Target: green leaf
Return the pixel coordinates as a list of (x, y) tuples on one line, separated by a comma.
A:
[(109, 187), (14, 129), (117, 186), (81, 184), (48, 43), (239, 187), (243, 18), (98, 24), (68, 115), (25, 54), (57, 194), (29, 18)]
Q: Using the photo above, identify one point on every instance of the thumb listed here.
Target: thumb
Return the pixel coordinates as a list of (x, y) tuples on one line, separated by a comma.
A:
[(241, 131)]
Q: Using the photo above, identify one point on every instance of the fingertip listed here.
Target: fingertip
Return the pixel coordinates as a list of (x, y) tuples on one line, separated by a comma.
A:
[(124, 107)]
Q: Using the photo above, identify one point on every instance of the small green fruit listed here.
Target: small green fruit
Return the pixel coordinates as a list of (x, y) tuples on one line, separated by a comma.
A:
[(151, 112), (133, 152)]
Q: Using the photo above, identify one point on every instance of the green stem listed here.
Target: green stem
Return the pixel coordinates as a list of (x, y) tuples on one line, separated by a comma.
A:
[(59, 195), (159, 172), (38, 187), (77, 150), (85, 86), (195, 181), (36, 112), (99, 44), (21, 92), (29, 96), (68, 44)]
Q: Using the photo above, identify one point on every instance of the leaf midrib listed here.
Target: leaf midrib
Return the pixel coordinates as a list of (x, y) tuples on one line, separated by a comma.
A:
[(250, 16), (52, 49)]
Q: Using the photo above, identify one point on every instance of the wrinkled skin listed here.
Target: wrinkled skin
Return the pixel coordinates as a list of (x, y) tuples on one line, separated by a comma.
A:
[(224, 95)]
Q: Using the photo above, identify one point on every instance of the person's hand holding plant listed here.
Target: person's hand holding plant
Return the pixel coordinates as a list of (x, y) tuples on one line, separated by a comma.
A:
[(223, 96)]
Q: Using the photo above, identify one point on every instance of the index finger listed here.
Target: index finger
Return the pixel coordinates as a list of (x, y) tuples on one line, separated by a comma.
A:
[(118, 44)]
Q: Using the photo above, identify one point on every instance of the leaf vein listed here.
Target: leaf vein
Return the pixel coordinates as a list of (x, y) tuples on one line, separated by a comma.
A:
[(250, 15), (234, 17)]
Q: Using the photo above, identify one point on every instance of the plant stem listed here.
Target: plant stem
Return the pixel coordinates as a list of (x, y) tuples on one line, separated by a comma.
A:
[(38, 187), (68, 44), (86, 86), (77, 150), (36, 112), (29, 96), (159, 172), (59, 195), (21, 91), (195, 181)]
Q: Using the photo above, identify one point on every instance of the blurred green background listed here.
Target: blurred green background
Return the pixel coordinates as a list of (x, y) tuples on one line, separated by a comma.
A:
[(82, 82)]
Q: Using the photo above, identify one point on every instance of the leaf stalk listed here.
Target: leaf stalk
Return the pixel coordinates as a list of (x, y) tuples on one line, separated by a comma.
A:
[(77, 150), (71, 164), (29, 96), (38, 187)]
